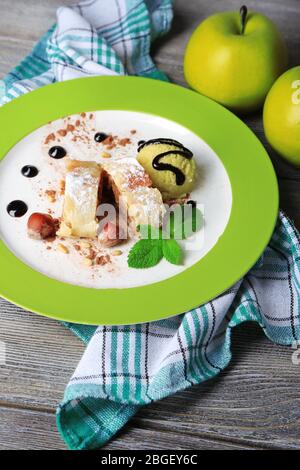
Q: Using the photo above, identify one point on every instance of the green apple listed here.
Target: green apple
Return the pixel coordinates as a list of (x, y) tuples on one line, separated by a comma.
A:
[(282, 115), (234, 58)]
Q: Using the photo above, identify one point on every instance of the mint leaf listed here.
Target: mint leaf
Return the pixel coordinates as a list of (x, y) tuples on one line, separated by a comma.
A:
[(172, 251), (145, 254)]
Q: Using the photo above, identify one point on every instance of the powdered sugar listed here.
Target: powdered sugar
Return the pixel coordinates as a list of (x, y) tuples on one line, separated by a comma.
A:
[(82, 187), (127, 173)]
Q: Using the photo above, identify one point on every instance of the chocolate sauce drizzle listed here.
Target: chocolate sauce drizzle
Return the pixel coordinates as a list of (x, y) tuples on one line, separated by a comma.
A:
[(29, 171), (100, 136), (17, 208), (160, 166), (192, 203), (57, 152)]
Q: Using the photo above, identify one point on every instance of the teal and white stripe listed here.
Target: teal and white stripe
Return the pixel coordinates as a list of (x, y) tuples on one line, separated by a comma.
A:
[(94, 37), (125, 367)]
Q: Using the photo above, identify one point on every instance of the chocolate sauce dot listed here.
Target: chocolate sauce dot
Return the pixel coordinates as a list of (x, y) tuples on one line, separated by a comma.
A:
[(57, 152), (29, 171), (99, 137), (17, 208)]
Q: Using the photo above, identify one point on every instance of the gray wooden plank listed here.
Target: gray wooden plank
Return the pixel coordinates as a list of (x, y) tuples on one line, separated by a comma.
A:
[(238, 408), (28, 19), (41, 356), (26, 429), (254, 403), (40, 431)]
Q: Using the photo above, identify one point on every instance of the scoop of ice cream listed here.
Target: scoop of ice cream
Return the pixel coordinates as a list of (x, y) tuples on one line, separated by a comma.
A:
[(170, 166)]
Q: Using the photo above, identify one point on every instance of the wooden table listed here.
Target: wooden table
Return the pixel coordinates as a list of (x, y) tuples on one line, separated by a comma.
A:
[(254, 403)]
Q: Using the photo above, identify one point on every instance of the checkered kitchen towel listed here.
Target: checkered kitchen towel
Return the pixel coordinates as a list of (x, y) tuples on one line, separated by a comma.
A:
[(125, 367), (94, 37)]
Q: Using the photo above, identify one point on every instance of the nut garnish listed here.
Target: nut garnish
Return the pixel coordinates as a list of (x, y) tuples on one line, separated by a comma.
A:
[(84, 244), (102, 260), (105, 155), (62, 187), (108, 141), (91, 254), (124, 142), (51, 195), (49, 138), (62, 248), (87, 262), (117, 252)]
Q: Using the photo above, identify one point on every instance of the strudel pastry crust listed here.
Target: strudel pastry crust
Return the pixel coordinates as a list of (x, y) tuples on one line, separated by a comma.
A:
[(81, 199), (132, 187)]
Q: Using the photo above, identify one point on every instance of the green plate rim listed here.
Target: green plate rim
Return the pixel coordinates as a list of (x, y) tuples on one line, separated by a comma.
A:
[(251, 224)]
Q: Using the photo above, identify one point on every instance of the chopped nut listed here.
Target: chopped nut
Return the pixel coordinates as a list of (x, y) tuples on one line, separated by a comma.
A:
[(124, 141), (62, 248), (62, 187), (133, 131), (70, 128), (87, 262), (62, 132), (77, 123), (51, 195), (102, 260), (77, 247), (84, 244), (108, 141), (117, 252), (91, 254), (105, 155), (49, 138)]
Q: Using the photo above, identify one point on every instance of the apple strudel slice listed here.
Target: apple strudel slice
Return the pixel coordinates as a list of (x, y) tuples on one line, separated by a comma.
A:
[(82, 189), (132, 187)]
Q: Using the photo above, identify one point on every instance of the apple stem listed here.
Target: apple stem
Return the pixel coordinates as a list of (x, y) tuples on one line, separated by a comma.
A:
[(243, 14)]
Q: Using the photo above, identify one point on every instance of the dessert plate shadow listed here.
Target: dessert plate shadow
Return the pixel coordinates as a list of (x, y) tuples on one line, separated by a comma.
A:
[(237, 188)]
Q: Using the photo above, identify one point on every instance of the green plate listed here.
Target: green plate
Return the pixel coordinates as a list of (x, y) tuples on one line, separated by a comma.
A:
[(252, 219)]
